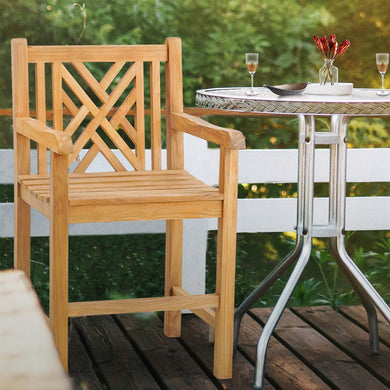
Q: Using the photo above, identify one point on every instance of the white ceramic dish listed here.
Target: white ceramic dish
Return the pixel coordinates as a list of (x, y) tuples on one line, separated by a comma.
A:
[(336, 89)]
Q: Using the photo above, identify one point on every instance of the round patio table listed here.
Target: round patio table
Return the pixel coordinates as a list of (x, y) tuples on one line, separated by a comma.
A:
[(362, 102)]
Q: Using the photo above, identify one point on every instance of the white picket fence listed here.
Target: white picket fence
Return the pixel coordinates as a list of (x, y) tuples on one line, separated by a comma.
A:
[(254, 215)]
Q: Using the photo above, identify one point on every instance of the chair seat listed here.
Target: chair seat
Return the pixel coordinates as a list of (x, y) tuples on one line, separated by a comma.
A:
[(91, 190)]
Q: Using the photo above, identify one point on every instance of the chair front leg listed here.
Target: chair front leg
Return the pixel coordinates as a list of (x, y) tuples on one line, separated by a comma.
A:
[(59, 236), (173, 273), (22, 246), (22, 210), (226, 264)]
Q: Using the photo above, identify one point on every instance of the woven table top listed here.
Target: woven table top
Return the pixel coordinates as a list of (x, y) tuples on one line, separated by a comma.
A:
[(362, 102)]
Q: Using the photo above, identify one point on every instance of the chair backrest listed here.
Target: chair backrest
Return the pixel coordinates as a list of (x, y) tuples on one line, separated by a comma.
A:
[(100, 96)]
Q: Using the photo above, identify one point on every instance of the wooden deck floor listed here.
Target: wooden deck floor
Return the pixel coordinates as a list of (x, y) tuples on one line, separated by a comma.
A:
[(312, 348)]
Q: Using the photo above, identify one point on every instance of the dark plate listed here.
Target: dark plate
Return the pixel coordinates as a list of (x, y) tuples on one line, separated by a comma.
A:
[(287, 89)]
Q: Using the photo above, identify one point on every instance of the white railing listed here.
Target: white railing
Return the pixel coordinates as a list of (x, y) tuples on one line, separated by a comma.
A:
[(254, 215)]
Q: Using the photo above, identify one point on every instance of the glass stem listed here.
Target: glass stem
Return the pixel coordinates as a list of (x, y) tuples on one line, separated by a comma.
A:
[(252, 81), (383, 76)]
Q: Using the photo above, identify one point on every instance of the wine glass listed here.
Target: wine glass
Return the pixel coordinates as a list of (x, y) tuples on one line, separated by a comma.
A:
[(382, 63), (252, 60)]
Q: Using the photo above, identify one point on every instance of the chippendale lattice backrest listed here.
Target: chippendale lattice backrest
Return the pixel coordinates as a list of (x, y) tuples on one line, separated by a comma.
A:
[(100, 95)]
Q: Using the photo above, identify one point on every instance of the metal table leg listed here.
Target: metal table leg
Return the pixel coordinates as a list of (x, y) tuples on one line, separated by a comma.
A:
[(284, 264), (304, 229), (363, 288), (337, 184)]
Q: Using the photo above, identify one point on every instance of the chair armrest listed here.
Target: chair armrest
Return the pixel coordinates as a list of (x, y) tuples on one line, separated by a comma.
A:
[(231, 139), (57, 141)]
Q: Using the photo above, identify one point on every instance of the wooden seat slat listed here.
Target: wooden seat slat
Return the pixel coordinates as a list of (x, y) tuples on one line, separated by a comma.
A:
[(134, 181), (121, 187), (95, 189), (137, 177), (112, 181), (110, 175), (131, 182), (139, 181)]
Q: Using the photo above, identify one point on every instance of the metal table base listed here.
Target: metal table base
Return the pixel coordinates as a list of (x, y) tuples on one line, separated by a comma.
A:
[(334, 229)]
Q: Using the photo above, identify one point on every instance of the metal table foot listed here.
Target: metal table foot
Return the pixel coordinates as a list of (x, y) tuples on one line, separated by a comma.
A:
[(361, 293), (363, 284), (277, 312), (272, 277)]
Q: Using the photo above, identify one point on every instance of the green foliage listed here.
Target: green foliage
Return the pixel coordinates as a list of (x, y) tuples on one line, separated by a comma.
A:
[(366, 24), (215, 35), (139, 261), (16, 24), (100, 267), (369, 132), (379, 270), (6, 253), (305, 293), (6, 193), (5, 131)]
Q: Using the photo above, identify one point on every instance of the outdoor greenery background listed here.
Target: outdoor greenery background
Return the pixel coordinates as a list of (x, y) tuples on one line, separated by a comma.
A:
[(215, 35)]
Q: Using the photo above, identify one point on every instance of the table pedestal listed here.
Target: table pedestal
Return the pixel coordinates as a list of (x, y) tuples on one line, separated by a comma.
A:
[(334, 229)]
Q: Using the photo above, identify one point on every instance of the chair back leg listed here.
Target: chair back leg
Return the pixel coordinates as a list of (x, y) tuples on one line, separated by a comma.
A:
[(173, 273), (20, 108)]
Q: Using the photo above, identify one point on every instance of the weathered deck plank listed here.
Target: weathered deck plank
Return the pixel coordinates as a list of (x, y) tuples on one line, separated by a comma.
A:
[(282, 366), (349, 337), (323, 356), (118, 363), (358, 315), (172, 364), (80, 364), (313, 349), (195, 337)]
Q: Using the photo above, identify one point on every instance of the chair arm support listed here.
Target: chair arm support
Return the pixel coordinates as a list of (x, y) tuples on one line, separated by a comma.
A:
[(57, 141), (231, 139)]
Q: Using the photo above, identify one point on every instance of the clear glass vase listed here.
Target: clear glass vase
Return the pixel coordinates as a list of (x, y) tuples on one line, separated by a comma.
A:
[(328, 73)]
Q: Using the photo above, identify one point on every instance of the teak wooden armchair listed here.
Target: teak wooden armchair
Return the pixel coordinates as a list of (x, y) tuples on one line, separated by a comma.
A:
[(106, 115)]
